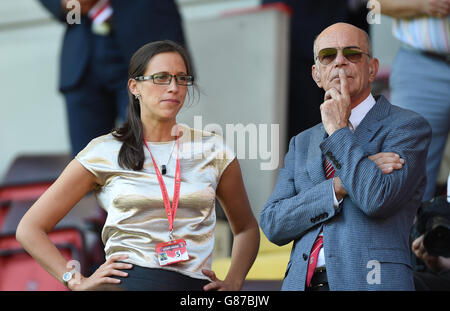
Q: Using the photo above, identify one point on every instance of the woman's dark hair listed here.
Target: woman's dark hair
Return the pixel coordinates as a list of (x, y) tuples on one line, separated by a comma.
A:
[(131, 153)]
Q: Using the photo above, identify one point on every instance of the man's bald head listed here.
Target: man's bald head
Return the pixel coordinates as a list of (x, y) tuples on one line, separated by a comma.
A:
[(343, 28)]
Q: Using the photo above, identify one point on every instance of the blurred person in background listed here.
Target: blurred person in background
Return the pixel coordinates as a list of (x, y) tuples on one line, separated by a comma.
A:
[(420, 73), (95, 55), (163, 241), (431, 243), (439, 276)]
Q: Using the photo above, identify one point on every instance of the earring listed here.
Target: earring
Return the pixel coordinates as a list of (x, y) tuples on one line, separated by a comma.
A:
[(137, 96)]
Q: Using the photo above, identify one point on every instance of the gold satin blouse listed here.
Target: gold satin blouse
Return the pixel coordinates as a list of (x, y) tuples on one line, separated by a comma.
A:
[(137, 220)]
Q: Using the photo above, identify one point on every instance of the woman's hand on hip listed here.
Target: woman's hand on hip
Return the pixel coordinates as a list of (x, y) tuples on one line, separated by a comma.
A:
[(103, 275)]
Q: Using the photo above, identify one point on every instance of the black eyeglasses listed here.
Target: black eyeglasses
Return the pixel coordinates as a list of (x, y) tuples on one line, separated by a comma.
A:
[(328, 55), (166, 79)]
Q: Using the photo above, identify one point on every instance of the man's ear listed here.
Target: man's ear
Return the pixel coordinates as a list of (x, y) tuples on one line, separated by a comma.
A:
[(373, 69), (316, 75)]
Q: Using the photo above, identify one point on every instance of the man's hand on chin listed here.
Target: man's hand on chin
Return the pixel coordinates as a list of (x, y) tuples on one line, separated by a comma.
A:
[(336, 108)]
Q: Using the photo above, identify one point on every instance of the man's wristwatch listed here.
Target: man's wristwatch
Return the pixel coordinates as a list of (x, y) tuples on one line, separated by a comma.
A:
[(66, 278)]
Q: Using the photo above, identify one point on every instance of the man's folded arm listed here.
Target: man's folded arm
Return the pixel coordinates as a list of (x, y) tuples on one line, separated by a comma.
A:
[(288, 214), (375, 193)]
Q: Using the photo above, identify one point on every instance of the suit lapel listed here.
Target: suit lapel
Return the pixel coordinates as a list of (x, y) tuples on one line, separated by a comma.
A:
[(370, 125), (314, 161)]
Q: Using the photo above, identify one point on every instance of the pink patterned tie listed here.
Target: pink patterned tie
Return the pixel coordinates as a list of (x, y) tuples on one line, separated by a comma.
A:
[(318, 243), (329, 169)]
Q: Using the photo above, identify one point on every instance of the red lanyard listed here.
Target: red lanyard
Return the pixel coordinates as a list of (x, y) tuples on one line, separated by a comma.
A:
[(170, 211)]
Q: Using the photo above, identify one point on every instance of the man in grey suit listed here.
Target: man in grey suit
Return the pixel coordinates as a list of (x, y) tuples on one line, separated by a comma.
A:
[(351, 185)]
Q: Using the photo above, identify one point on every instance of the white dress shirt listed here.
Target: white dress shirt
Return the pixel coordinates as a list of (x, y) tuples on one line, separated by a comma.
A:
[(357, 115)]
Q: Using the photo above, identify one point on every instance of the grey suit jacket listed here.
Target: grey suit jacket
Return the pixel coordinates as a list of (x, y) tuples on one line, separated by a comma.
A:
[(366, 240)]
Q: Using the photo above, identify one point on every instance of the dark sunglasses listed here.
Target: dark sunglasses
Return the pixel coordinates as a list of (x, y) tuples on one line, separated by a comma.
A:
[(328, 55)]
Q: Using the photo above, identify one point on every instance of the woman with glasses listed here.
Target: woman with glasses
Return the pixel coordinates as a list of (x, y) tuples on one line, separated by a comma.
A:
[(158, 181)]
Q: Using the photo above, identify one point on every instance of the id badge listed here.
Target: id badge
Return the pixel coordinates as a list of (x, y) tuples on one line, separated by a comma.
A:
[(172, 252)]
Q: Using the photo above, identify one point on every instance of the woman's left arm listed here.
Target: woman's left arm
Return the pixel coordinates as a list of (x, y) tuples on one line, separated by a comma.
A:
[(234, 201)]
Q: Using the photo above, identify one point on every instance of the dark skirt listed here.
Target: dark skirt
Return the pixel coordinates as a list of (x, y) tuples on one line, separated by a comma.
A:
[(156, 279)]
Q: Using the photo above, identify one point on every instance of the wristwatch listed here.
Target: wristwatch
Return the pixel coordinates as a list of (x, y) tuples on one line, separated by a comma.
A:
[(66, 278)]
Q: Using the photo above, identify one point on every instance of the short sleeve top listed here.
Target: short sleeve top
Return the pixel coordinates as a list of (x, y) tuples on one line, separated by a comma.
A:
[(137, 220)]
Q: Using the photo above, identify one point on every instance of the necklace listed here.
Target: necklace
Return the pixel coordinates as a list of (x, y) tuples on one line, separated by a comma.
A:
[(164, 166)]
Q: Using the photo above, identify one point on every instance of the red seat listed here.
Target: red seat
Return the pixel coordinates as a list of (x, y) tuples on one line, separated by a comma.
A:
[(20, 272), (77, 236)]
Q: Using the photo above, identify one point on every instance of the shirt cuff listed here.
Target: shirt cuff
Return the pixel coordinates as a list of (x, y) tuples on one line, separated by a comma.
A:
[(335, 200)]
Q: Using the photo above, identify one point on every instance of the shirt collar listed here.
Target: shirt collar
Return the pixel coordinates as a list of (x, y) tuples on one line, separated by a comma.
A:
[(359, 112)]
